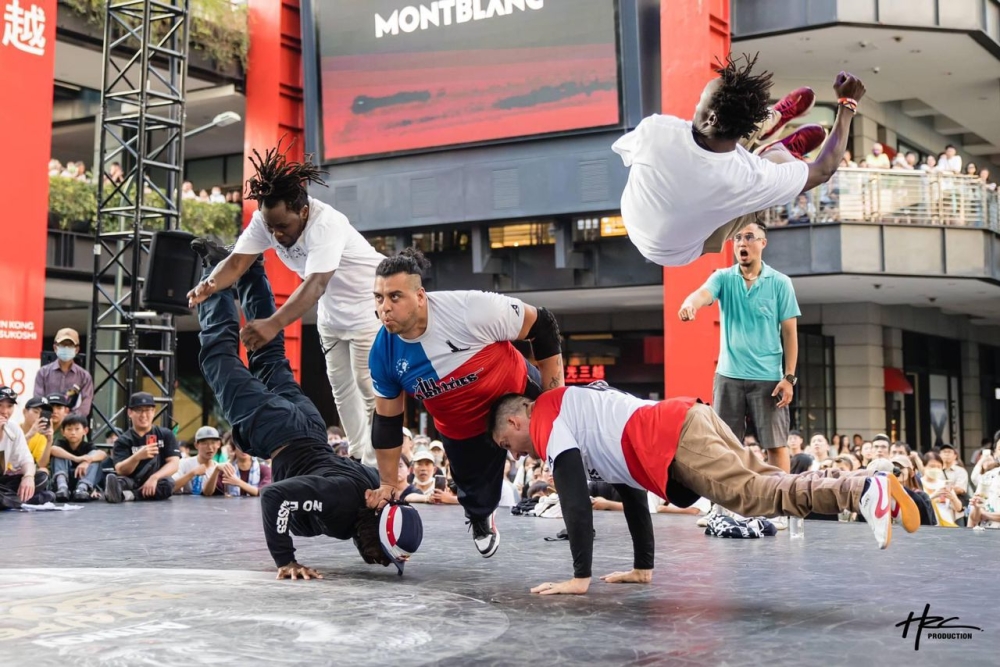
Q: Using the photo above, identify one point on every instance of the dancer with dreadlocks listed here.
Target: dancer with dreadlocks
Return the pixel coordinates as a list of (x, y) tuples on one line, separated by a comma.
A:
[(337, 266), (692, 184), (315, 492)]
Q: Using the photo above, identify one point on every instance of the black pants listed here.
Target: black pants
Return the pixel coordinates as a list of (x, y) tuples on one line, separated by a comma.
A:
[(264, 403), (9, 485), (164, 488)]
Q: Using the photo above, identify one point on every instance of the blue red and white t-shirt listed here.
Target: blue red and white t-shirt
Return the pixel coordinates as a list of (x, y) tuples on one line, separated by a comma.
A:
[(622, 439), (460, 365)]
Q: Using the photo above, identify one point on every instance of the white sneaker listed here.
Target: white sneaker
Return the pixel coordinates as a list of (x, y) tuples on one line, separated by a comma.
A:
[(780, 522), (485, 535), (717, 510), (875, 506)]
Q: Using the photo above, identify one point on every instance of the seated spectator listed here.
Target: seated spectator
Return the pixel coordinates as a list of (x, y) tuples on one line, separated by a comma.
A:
[(217, 197), (404, 489), (246, 476), (847, 462), (145, 457), (801, 463), (198, 474), (334, 435), (540, 489), (877, 159), (20, 480), (187, 449), (794, 442), (64, 376), (947, 506), (38, 431), (865, 454), (819, 448), (508, 495), (803, 212), (423, 478), (437, 451), (904, 470), (880, 446), (187, 191), (76, 462), (984, 508), (953, 471), (987, 461)]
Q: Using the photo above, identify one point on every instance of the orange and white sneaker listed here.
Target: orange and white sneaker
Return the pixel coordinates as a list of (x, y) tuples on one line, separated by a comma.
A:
[(801, 142), (880, 492)]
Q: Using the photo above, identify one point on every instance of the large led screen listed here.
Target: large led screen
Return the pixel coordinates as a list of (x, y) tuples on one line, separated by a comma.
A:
[(397, 75)]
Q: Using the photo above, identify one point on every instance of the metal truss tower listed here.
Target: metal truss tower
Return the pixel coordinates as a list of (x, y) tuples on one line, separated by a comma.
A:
[(142, 131)]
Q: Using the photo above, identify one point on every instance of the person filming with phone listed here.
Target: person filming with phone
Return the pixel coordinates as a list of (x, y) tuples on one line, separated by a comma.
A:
[(38, 431), (427, 486), (145, 456)]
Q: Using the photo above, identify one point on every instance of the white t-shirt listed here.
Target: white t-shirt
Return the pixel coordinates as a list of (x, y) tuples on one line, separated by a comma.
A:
[(14, 452), (187, 465), (329, 243), (678, 194)]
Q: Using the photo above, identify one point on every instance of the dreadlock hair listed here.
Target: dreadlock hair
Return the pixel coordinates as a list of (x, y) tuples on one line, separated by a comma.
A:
[(741, 102), (278, 180), (366, 538), (505, 406), (409, 260)]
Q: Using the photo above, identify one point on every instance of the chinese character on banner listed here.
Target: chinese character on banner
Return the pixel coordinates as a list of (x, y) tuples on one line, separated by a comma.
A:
[(585, 374), (24, 29), (571, 375), (598, 372)]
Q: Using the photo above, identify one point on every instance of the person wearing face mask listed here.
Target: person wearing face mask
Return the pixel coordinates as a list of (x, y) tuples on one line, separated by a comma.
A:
[(64, 376), (437, 451)]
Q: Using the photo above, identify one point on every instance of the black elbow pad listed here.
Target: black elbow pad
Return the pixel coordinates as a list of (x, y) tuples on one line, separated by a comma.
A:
[(387, 432), (544, 335)]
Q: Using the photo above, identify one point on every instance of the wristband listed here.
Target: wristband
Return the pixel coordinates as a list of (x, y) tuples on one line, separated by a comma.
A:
[(848, 103)]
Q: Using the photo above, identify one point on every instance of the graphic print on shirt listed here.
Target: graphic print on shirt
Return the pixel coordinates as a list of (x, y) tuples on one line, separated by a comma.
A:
[(461, 364)]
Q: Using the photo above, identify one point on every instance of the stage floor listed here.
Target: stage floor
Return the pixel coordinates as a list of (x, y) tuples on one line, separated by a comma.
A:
[(190, 581)]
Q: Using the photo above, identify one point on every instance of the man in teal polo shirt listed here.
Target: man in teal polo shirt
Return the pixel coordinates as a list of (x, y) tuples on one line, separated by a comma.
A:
[(759, 345)]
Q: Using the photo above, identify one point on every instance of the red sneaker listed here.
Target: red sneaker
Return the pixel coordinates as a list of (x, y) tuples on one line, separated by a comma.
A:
[(794, 104), (801, 142)]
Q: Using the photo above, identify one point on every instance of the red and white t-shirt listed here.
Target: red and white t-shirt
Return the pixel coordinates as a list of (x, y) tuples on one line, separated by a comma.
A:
[(460, 365), (622, 439)]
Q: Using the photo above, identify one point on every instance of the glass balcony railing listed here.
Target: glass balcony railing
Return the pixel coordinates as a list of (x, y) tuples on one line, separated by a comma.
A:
[(893, 197)]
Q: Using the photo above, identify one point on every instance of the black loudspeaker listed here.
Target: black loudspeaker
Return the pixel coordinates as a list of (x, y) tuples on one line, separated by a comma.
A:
[(172, 272)]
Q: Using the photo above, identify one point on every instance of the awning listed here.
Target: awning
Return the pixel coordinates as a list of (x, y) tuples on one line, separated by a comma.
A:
[(896, 381)]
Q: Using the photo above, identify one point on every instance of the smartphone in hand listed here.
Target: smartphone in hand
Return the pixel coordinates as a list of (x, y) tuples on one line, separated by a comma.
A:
[(440, 482)]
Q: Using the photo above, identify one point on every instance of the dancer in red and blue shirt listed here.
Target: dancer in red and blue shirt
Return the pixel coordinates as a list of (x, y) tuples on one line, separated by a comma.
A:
[(453, 351)]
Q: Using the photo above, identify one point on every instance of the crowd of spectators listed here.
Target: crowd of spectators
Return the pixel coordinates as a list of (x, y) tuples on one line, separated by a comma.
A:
[(115, 174)]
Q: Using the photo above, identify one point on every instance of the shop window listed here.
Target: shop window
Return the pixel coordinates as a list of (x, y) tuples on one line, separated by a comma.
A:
[(522, 234), (813, 408), (596, 227)]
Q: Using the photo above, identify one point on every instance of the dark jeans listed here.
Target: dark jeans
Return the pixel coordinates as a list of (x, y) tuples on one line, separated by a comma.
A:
[(264, 403), (477, 463), (164, 488), (66, 468), (9, 485)]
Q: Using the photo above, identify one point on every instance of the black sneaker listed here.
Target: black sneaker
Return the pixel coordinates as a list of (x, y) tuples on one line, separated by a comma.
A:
[(82, 493), (113, 489), (485, 535), (62, 494), (211, 253)]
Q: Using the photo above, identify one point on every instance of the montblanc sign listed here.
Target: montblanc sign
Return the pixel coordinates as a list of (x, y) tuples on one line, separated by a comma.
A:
[(444, 13)]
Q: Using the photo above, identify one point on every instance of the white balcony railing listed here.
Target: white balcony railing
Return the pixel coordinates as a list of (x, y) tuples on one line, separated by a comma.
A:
[(893, 197)]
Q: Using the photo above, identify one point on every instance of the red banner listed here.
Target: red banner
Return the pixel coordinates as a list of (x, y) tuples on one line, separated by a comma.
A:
[(27, 60)]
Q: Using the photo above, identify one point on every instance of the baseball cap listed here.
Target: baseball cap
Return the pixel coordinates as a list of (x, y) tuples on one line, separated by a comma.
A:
[(880, 436), (423, 455), (207, 433), (34, 403), (57, 399), (437, 444), (945, 445), (408, 433), (141, 399), (68, 334), (400, 531), (7, 394)]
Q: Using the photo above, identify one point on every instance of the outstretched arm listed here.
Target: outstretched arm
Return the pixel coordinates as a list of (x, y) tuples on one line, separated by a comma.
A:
[(258, 333), (696, 300), (223, 276), (574, 499), (640, 526), (387, 440), (847, 86)]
